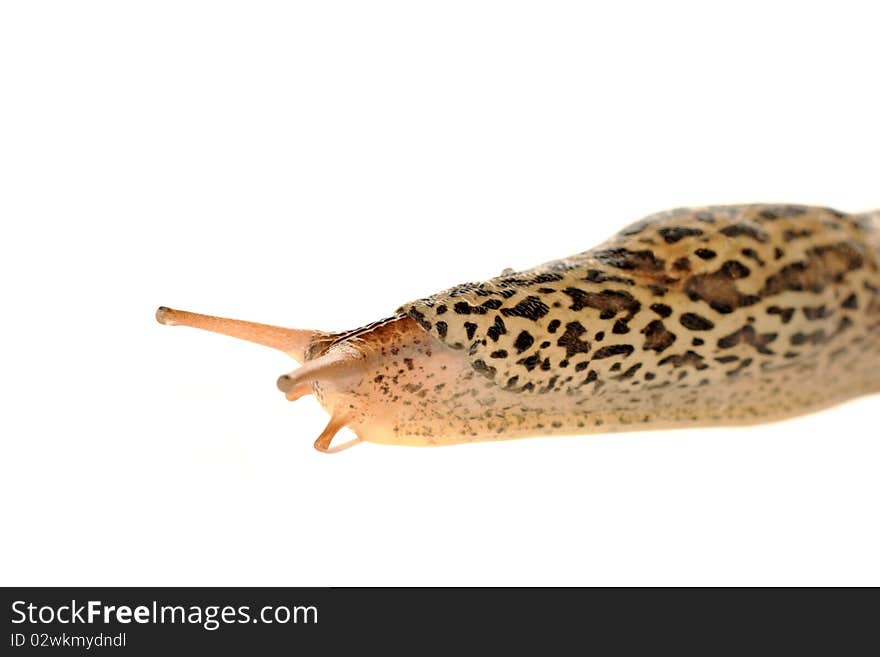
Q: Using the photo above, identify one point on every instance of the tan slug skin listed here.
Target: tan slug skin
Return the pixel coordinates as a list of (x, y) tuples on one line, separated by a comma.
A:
[(692, 317)]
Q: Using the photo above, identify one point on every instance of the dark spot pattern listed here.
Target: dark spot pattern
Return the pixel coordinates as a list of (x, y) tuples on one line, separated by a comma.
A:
[(815, 337), (821, 266), (523, 341), (497, 329), (613, 350), (571, 340), (530, 308), (419, 316), (597, 276), (752, 255), (748, 335), (745, 230), (820, 336), (718, 288), (675, 234), (661, 309), (813, 313), (462, 308), (782, 212), (550, 385), (687, 359), (625, 259), (743, 364), (531, 362), (657, 337), (608, 302), (629, 373), (790, 235), (696, 322), (785, 314), (591, 377), (735, 269), (537, 279), (481, 368), (682, 264)]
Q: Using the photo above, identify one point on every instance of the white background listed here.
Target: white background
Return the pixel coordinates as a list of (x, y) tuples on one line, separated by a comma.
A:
[(318, 164)]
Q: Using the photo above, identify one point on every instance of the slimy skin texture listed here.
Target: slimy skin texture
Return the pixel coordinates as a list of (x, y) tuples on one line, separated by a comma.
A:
[(692, 317)]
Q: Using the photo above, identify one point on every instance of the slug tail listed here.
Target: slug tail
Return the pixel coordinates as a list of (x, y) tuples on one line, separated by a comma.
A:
[(293, 342)]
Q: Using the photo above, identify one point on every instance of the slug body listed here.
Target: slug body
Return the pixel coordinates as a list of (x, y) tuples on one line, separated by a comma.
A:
[(691, 317)]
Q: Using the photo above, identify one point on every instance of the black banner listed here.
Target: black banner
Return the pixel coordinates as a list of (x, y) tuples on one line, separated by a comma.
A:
[(273, 620)]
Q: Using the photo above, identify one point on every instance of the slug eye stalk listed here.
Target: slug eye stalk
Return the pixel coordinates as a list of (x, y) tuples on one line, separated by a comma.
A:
[(293, 342)]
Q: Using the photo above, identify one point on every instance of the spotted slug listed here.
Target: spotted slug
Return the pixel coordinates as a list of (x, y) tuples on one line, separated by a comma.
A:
[(691, 317)]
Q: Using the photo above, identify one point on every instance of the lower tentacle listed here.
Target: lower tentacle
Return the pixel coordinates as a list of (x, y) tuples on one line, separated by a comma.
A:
[(323, 443)]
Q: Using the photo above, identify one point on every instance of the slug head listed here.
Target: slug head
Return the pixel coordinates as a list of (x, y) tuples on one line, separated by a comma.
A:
[(371, 380)]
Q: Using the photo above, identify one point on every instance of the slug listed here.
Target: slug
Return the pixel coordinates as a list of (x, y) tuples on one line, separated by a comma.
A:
[(692, 317)]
